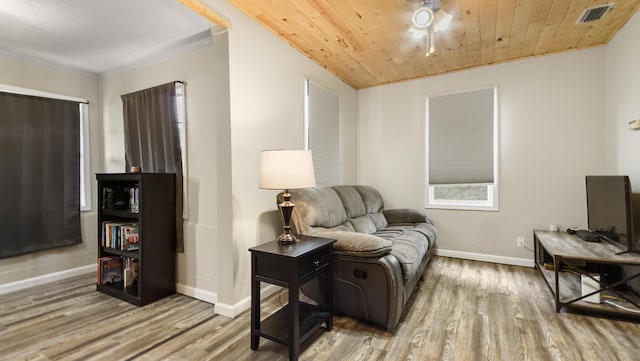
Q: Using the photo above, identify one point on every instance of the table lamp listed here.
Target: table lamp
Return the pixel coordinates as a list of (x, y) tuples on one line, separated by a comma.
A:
[(286, 169)]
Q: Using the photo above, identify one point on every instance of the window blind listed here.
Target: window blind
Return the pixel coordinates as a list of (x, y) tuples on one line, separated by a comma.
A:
[(460, 139), (323, 133)]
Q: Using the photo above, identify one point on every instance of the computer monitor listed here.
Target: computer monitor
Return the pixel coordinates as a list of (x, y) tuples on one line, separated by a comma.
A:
[(609, 210)]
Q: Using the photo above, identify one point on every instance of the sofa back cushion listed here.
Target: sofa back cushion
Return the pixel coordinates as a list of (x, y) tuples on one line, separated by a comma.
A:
[(363, 224), (338, 208), (370, 198), (351, 200), (318, 207), (373, 205)]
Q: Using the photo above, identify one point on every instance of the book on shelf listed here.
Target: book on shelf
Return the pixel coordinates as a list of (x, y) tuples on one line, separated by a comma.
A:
[(134, 200), (130, 237), (120, 235), (117, 270), (110, 270), (107, 197), (130, 272)]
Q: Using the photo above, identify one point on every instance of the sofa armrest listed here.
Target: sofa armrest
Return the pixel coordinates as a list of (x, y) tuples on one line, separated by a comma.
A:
[(405, 215), (357, 244), (382, 288)]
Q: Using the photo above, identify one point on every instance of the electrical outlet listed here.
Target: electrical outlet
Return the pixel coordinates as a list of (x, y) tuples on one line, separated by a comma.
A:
[(520, 241)]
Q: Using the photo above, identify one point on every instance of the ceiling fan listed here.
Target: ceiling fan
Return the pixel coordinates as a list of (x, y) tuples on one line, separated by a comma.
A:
[(427, 20)]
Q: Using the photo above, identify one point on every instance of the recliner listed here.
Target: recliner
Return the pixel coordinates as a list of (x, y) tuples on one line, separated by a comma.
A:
[(380, 255)]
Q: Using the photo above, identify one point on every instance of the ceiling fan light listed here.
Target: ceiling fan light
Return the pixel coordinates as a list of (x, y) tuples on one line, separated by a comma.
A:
[(441, 21), (417, 33), (422, 17)]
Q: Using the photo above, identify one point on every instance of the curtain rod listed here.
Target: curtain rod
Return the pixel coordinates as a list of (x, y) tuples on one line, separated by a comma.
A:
[(38, 93)]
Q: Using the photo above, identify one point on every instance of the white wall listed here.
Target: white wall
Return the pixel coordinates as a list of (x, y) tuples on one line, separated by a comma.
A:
[(622, 91), (51, 264), (622, 85), (266, 76), (196, 271), (551, 113)]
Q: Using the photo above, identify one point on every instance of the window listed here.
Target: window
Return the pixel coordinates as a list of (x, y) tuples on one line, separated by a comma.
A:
[(40, 141), (462, 150), (182, 131), (322, 132), (85, 159)]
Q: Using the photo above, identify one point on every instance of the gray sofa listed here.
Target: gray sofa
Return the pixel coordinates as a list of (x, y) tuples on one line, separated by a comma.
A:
[(380, 255)]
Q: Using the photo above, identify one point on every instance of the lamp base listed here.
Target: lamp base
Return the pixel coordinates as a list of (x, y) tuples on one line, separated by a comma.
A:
[(286, 207), (287, 238)]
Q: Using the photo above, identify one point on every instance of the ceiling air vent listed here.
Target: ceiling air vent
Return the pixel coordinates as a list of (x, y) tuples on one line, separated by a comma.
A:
[(594, 13)]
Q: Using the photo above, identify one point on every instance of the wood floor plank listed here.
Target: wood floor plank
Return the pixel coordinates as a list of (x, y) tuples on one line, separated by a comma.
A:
[(463, 310)]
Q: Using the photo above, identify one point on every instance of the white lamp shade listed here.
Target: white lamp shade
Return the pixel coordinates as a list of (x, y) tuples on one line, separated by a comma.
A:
[(441, 21), (286, 169)]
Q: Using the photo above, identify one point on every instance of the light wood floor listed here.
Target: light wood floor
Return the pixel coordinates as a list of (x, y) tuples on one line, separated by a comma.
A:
[(464, 310)]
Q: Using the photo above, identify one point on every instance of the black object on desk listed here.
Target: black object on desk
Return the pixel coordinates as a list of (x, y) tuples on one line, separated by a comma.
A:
[(291, 266), (587, 236)]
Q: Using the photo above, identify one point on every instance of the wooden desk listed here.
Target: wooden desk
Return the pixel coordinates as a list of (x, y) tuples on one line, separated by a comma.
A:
[(291, 266), (563, 259)]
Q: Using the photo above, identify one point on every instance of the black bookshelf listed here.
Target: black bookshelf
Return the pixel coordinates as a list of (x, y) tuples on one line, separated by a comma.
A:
[(150, 211)]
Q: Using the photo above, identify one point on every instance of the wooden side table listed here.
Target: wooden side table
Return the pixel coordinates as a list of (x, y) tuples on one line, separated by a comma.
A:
[(291, 266)]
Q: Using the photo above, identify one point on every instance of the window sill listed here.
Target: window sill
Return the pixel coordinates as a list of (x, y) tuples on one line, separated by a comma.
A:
[(460, 207)]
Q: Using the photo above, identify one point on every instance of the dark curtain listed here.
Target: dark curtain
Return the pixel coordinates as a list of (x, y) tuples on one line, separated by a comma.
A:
[(40, 182), (152, 139)]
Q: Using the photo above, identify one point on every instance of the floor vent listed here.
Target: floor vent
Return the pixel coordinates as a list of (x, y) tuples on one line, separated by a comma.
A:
[(594, 13)]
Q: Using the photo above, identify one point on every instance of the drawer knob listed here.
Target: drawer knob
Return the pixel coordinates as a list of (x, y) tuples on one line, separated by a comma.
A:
[(317, 263)]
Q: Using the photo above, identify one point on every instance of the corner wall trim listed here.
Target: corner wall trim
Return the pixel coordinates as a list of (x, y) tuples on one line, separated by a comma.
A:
[(524, 262), (48, 278)]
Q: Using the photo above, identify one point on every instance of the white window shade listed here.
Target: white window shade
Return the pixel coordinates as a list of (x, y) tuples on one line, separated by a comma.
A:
[(461, 138), (322, 133)]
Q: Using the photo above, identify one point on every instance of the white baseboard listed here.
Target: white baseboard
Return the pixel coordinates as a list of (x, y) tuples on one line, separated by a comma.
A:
[(48, 278), (524, 262), (244, 304), (197, 293), (224, 309)]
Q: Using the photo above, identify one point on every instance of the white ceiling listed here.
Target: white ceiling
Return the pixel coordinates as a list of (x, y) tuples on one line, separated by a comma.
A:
[(97, 35)]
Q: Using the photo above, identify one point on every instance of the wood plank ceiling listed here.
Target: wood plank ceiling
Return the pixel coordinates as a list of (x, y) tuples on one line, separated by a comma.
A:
[(367, 42)]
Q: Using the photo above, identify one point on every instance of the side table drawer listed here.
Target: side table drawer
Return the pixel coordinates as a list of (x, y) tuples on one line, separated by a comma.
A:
[(313, 262), (273, 269)]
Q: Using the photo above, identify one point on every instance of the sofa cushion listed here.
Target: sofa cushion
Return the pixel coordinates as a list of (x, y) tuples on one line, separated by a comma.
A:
[(429, 230), (371, 198), (357, 244), (316, 207), (379, 220), (362, 201), (363, 224), (351, 200), (409, 245)]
